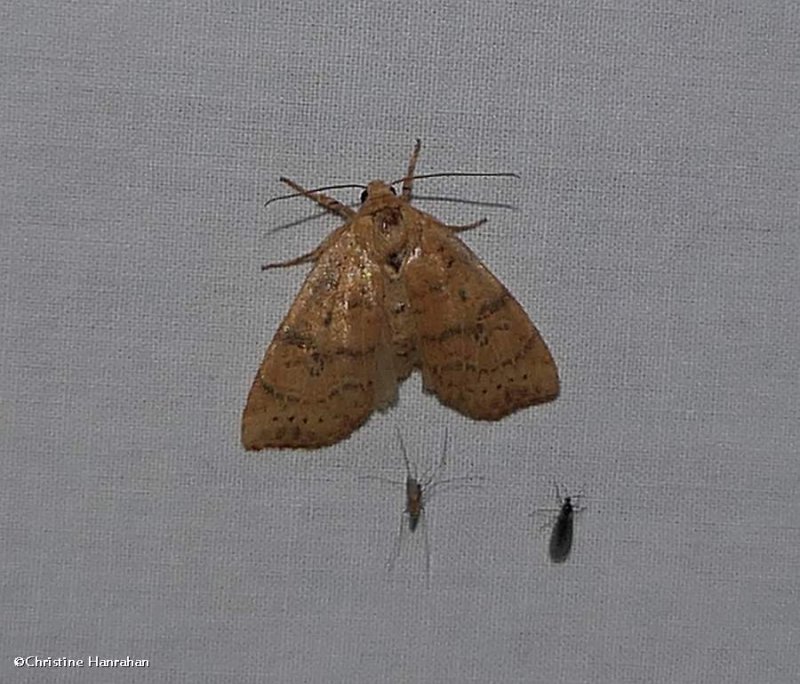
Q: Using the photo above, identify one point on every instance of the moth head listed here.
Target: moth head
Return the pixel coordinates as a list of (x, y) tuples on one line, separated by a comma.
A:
[(377, 190)]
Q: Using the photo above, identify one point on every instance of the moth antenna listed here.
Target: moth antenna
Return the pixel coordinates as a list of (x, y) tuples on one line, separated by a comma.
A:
[(455, 174), (309, 192)]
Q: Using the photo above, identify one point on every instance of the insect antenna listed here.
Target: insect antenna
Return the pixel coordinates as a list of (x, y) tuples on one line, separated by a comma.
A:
[(502, 174), (411, 473), (308, 192)]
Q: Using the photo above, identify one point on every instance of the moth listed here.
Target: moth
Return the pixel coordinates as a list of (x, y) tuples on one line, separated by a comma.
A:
[(391, 290)]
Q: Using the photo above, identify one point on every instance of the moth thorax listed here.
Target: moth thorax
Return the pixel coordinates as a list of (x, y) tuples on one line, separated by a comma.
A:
[(391, 237)]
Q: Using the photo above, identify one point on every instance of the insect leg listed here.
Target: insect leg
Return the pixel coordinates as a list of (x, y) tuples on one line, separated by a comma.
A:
[(332, 205), (304, 259), (409, 177), (397, 544), (469, 226)]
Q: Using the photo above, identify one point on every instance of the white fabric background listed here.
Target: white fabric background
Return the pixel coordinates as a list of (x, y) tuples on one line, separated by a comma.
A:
[(653, 240)]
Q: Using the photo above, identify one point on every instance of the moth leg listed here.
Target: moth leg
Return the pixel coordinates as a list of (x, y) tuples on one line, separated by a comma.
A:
[(332, 205), (311, 256), (469, 226), (412, 165)]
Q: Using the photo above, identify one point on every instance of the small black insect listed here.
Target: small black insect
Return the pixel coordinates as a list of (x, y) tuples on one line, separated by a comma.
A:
[(561, 537), (563, 528)]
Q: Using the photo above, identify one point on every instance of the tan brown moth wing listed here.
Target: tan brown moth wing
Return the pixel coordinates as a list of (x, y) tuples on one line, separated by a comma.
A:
[(329, 366), (478, 350)]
